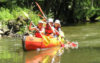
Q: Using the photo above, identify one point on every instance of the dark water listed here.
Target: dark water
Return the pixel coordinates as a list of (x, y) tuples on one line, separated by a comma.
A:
[(88, 37)]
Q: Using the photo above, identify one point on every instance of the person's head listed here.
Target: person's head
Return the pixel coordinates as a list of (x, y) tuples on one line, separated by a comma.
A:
[(50, 21), (57, 23), (40, 24)]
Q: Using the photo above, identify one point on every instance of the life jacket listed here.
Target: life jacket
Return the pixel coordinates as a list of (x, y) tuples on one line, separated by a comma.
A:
[(48, 30), (37, 33), (57, 32)]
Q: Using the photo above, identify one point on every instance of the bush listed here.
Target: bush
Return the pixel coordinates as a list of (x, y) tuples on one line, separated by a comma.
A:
[(5, 14), (8, 14), (12, 14)]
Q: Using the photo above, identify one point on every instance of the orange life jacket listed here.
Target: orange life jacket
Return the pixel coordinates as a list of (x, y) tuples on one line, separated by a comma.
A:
[(48, 30), (37, 33)]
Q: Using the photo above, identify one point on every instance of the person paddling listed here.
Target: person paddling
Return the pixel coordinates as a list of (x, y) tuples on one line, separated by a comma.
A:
[(39, 29), (58, 30), (49, 29)]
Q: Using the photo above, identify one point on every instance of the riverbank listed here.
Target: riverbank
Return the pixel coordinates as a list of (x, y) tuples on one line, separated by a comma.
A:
[(17, 31), (13, 21)]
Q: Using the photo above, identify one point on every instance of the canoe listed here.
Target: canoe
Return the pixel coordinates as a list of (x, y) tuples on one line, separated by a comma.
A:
[(33, 43)]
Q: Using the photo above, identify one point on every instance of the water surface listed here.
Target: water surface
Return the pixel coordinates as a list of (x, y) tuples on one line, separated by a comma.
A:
[(88, 37)]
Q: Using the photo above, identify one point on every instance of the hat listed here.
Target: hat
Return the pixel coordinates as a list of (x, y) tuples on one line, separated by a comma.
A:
[(57, 21), (40, 21), (50, 20)]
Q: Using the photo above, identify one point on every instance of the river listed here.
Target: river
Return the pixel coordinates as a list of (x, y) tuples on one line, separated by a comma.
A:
[(87, 35)]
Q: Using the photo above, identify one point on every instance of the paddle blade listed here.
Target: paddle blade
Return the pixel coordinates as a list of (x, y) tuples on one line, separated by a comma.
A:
[(40, 9), (46, 40), (60, 38)]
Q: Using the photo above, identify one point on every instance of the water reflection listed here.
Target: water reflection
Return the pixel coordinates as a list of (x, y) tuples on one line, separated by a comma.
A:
[(51, 55)]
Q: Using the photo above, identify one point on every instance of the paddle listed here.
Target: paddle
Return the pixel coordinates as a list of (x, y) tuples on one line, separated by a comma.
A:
[(46, 42), (41, 10), (43, 13)]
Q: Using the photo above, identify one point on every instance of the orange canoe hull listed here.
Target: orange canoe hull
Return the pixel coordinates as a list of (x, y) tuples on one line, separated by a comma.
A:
[(32, 43)]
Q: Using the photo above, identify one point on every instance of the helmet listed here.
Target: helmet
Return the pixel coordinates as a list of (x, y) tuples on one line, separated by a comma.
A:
[(57, 21), (50, 20)]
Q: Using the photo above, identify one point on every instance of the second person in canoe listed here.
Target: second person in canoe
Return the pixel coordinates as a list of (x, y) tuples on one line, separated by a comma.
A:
[(49, 29)]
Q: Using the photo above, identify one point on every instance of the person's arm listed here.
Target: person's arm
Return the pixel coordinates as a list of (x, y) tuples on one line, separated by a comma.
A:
[(30, 27)]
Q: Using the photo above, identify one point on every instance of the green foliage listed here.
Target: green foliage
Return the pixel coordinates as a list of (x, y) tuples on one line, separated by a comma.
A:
[(98, 18), (3, 0), (19, 12), (12, 14), (70, 11), (33, 16), (84, 8), (50, 15), (5, 14)]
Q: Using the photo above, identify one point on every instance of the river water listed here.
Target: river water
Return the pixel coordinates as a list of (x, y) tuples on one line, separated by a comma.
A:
[(88, 37)]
